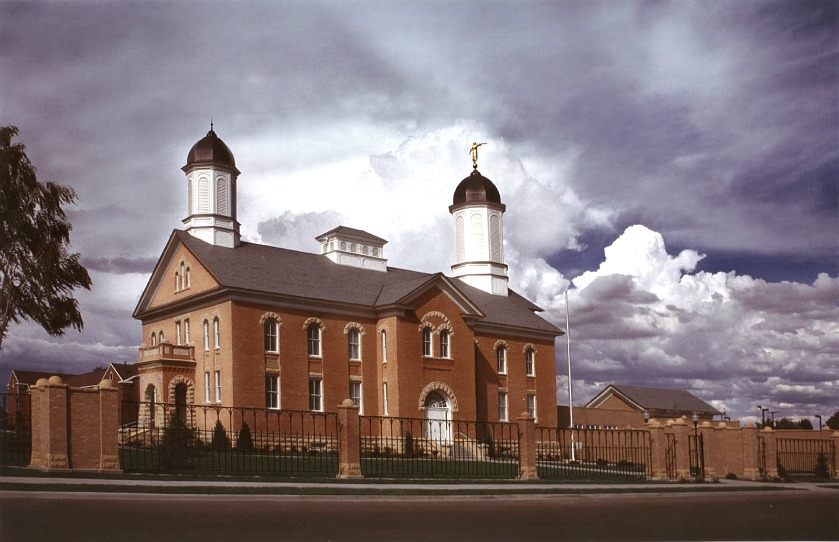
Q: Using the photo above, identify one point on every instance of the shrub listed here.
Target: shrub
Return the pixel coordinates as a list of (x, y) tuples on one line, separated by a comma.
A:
[(822, 470), (409, 444), (730, 476), (601, 462), (221, 441), (245, 442), (178, 443)]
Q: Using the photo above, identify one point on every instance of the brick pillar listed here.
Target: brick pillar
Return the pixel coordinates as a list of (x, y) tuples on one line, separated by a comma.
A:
[(349, 441), (108, 426), (771, 452), (835, 437), (49, 423), (680, 429), (527, 447), (658, 451), (751, 450), (710, 448)]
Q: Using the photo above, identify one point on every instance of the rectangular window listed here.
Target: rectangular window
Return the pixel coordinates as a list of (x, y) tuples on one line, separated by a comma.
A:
[(384, 346), (444, 344), (207, 387), (271, 329), (218, 386), (384, 398), (426, 342), (178, 331), (502, 406), (354, 344), (186, 331), (531, 404), (314, 340), (315, 395), (355, 394), (528, 363), (216, 333), (206, 335), (501, 355), (272, 391)]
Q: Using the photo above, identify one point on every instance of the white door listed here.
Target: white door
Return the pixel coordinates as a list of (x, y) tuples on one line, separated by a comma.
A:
[(438, 426)]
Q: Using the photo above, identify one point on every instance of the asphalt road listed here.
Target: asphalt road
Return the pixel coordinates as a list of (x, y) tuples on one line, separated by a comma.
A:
[(207, 518)]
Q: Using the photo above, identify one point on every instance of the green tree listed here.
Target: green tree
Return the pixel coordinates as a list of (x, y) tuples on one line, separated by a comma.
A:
[(833, 421), (37, 273), (244, 443)]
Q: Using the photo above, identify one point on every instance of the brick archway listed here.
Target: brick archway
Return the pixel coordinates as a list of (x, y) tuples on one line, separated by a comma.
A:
[(190, 389), (441, 387)]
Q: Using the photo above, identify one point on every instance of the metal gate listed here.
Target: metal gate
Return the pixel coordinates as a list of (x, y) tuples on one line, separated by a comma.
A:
[(670, 456), (805, 458), (696, 449)]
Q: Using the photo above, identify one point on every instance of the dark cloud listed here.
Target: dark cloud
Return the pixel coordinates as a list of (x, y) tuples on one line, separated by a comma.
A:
[(120, 265)]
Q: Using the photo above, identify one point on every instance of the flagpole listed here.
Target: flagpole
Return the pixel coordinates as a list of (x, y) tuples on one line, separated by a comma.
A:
[(570, 394)]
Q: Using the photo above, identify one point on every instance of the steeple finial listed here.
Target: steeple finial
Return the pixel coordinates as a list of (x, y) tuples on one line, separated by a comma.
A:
[(474, 152), (211, 122)]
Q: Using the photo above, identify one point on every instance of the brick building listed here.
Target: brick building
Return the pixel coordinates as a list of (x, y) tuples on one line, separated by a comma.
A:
[(233, 323)]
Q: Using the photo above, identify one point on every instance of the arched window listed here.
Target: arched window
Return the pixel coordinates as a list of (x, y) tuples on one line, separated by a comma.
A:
[(187, 279), (426, 342), (153, 338), (313, 332), (384, 346), (216, 332), (354, 344), (160, 337), (271, 335), (529, 365), (501, 357), (182, 283), (177, 281), (206, 335), (444, 343)]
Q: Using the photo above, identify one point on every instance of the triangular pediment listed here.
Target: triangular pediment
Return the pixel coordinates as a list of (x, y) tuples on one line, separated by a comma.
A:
[(178, 276), (445, 285)]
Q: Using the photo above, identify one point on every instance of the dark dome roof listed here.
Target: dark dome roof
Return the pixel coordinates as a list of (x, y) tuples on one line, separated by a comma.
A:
[(476, 189), (210, 149)]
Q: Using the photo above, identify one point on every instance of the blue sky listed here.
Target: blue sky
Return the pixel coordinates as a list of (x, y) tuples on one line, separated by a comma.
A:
[(676, 163)]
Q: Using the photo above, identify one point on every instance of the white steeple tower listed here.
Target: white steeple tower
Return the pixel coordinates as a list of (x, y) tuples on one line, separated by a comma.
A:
[(211, 192), (479, 234)]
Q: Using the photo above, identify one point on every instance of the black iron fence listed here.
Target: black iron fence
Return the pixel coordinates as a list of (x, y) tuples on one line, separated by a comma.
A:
[(592, 453), (418, 447), (802, 458), (15, 429), (157, 437)]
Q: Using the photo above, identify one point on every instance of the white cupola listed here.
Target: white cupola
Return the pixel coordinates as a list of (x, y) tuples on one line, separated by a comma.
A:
[(356, 248), (211, 192), (479, 234)]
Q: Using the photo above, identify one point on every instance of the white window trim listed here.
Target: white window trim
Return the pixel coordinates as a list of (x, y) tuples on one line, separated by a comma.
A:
[(533, 395), (218, 386), (206, 386), (206, 326), (276, 393), (178, 331), (357, 345), (360, 402), (501, 360), (503, 415), (319, 395), (430, 342), (530, 367), (217, 333), (186, 331), (384, 399), (275, 336), (384, 346), (318, 341)]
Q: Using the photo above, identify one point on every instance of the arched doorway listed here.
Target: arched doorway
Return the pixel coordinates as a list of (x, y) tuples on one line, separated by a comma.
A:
[(150, 398), (438, 417), (180, 403)]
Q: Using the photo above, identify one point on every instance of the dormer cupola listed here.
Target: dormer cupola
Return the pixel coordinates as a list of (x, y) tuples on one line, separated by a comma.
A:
[(355, 248), (211, 176)]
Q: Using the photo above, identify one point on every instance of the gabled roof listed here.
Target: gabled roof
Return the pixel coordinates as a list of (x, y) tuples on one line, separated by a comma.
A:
[(264, 269), (654, 398), (125, 370)]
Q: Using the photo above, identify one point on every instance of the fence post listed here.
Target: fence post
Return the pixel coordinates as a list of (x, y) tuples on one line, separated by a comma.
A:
[(658, 450), (771, 452), (680, 430), (349, 441), (527, 447), (49, 424), (108, 426)]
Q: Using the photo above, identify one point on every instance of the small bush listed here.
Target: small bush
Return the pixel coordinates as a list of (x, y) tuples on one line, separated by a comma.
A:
[(245, 442), (730, 476), (601, 462), (221, 441), (822, 469)]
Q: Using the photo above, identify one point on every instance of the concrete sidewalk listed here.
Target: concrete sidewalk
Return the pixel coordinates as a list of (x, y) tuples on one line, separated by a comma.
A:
[(349, 486)]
